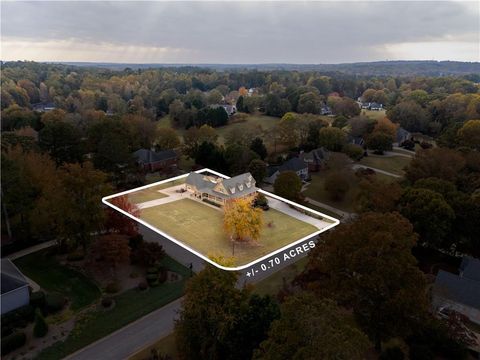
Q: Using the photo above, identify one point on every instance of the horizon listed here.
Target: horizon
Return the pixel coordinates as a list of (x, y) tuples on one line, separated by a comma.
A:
[(307, 33)]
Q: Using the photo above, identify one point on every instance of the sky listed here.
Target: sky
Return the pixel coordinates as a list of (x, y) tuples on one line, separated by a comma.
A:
[(240, 32)]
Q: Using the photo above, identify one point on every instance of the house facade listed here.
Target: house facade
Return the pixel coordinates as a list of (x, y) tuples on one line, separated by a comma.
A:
[(295, 164), (15, 290), (315, 159), (218, 190), (151, 161)]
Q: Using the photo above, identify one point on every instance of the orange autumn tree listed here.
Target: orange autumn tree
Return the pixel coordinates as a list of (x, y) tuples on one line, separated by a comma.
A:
[(118, 222), (242, 221)]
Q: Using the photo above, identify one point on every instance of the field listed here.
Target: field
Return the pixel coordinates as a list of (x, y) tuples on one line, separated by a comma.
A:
[(392, 164), (374, 114), (201, 227)]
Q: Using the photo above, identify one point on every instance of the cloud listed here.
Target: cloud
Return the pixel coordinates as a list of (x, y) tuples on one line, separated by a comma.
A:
[(233, 32)]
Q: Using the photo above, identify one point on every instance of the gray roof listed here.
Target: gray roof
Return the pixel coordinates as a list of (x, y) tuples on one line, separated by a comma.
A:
[(294, 164), (12, 278), (470, 268), (401, 134), (148, 156), (236, 186), (316, 156), (458, 289)]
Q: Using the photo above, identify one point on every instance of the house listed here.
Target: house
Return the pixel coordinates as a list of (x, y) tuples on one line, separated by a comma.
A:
[(219, 190), (460, 293), (401, 135), (376, 106), (43, 107), (315, 159), (15, 291), (295, 164), (325, 110), (356, 140), (229, 109), (151, 161)]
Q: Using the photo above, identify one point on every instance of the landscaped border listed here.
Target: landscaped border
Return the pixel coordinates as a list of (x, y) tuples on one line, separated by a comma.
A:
[(335, 222)]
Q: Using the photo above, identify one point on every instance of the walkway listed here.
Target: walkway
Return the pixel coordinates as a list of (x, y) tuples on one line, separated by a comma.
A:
[(172, 195), (31, 249)]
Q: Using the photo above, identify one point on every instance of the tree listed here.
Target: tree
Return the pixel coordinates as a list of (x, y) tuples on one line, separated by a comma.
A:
[(194, 137), (40, 328), (469, 134), (309, 102), (437, 162), (257, 146), (113, 249), (15, 117), (238, 158), (367, 265), (62, 141), (379, 142), (409, 115), (288, 185), (275, 106), (312, 328), (214, 97), (430, 215), (210, 309), (258, 169), (167, 139), (242, 221), (148, 254), (337, 185), (385, 126), (332, 138), (211, 156), (377, 195), (117, 222), (344, 106)]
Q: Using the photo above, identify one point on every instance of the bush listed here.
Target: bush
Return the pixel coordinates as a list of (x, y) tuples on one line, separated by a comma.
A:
[(37, 299), (353, 151), (135, 242), (162, 275), (408, 144), (54, 302), (112, 288), (19, 318), (393, 353), (142, 286), (148, 254), (425, 145), (76, 255), (107, 302), (336, 185), (13, 341), (40, 328)]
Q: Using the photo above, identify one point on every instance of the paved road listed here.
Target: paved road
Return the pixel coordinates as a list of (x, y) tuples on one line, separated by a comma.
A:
[(133, 337)]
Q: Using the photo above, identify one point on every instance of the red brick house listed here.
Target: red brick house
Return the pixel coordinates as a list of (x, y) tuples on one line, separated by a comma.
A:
[(151, 161)]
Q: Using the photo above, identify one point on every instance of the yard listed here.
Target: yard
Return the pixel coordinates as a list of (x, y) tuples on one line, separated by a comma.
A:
[(129, 306), (374, 114), (46, 271), (152, 193), (392, 164), (201, 227)]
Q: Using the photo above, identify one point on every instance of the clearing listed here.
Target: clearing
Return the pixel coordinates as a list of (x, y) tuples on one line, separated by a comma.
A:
[(392, 164)]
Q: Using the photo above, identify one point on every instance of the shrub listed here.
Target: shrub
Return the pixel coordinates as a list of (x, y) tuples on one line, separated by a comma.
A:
[(148, 254), (107, 302), (408, 144), (162, 275), (393, 353), (19, 318), (112, 288), (337, 185), (12, 342), (425, 145), (37, 299), (142, 286), (40, 328), (54, 302), (135, 242), (76, 255), (353, 151)]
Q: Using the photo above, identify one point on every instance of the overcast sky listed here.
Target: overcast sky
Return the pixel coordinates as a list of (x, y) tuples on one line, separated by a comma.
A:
[(240, 32)]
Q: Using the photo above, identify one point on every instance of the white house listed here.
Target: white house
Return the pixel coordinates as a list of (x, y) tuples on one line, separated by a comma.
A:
[(15, 291)]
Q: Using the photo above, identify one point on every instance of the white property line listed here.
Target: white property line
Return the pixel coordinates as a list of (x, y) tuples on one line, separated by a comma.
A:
[(180, 243)]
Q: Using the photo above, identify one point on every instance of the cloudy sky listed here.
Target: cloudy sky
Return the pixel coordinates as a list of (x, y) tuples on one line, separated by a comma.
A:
[(240, 32)]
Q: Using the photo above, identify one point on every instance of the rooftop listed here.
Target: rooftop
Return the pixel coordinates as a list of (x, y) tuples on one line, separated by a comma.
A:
[(12, 278)]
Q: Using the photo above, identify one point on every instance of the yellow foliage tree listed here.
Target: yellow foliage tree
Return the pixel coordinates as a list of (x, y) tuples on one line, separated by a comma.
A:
[(241, 220)]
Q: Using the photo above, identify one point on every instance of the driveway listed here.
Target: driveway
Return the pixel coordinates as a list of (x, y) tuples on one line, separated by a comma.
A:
[(357, 166)]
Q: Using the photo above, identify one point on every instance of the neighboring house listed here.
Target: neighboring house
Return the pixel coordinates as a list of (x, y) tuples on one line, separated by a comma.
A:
[(356, 140), (315, 159), (459, 293), (43, 107), (401, 136), (151, 161), (229, 109), (371, 106), (325, 110), (251, 91), (295, 164), (220, 190), (15, 291)]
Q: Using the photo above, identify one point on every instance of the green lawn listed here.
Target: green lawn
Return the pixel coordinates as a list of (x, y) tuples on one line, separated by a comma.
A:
[(316, 191), (129, 306), (152, 193), (274, 283), (45, 270), (393, 164), (201, 227), (374, 114)]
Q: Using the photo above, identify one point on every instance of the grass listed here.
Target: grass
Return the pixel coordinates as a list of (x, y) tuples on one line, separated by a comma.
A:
[(129, 306), (316, 191), (165, 346), (392, 164), (323, 210), (374, 114), (45, 270), (152, 193), (274, 283), (201, 227)]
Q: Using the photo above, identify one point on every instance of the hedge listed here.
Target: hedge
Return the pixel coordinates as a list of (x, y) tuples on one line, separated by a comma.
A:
[(13, 341)]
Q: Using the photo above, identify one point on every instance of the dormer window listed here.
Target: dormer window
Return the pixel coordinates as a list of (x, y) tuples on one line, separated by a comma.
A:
[(240, 187), (232, 190), (249, 184)]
